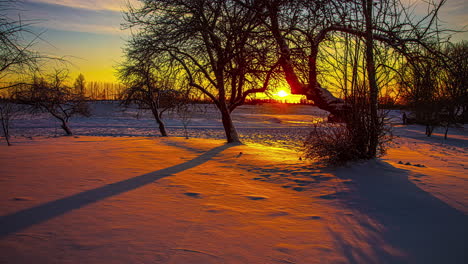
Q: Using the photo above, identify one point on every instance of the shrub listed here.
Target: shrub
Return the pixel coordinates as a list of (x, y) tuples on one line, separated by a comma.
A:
[(331, 144), (338, 143)]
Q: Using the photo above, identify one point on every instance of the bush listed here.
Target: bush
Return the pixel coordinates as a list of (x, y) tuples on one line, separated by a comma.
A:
[(331, 144), (336, 144)]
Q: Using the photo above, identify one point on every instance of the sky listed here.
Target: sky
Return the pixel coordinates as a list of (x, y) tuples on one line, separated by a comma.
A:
[(88, 32)]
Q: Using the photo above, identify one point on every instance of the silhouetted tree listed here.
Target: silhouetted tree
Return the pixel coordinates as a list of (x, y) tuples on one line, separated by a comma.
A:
[(455, 81), (434, 86), (148, 88), (80, 85), (51, 95), (217, 46), (300, 29)]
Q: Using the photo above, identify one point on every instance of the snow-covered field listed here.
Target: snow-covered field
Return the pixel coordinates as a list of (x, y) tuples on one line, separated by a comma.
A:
[(278, 125), (116, 193)]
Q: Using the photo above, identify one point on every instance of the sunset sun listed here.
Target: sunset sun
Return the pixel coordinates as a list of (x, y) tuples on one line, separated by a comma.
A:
[(282, 93)]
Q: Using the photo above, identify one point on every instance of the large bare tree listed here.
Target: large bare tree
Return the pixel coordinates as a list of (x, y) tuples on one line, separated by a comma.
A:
[(301, 28), (217, 46)]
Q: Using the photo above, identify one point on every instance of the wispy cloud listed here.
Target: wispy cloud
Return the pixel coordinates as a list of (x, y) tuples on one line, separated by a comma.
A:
[(453, 12), (456, 11), (111, 5), (453, 15), (79, 16)]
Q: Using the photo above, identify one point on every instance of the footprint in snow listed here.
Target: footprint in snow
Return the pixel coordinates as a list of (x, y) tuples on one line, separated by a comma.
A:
[(193, 194), (298, 189), (331, 196), (21, 199), (280, 213), (256, 197), (409, 164)]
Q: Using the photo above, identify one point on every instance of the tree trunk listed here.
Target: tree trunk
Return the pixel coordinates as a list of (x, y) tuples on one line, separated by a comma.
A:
[(5, 117), (7, 138), (429, 129), (6, 132), (373, 89), (229, 129), (66, 128), (162, 127)]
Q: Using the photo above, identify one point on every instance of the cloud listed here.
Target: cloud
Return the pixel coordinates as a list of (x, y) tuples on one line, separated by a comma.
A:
[(453, 12), (87, 28), (452, 15), (110, 5), (100, 19), (456, 11)]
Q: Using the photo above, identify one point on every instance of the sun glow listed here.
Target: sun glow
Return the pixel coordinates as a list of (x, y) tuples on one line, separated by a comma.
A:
[(282, 93)]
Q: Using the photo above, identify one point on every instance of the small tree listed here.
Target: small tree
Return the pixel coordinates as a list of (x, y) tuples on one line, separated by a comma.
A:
[(51, 95), (419, 82), (185, 110), (80, 85), (454, 81), (148, 89), (434, 86)]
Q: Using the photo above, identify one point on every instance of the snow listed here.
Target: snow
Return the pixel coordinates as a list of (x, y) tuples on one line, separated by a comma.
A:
[(276, 125), (113, 194)]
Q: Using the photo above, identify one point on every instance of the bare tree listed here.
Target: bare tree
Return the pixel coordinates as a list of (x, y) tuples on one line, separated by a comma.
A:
[(455, 81), (51, 95), (148, 88), (300, 29), (216, 46), (434, 86), (185, 112), (80, 85)]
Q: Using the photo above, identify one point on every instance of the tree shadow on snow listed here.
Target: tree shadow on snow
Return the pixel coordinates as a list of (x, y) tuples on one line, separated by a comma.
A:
[(23, 219), (399, 222)]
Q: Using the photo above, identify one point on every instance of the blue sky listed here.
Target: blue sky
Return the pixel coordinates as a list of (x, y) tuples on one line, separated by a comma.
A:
[(88, 32)]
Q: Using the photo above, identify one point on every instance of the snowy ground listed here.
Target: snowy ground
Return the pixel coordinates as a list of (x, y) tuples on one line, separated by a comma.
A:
[(116, 194), (275, 125)]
